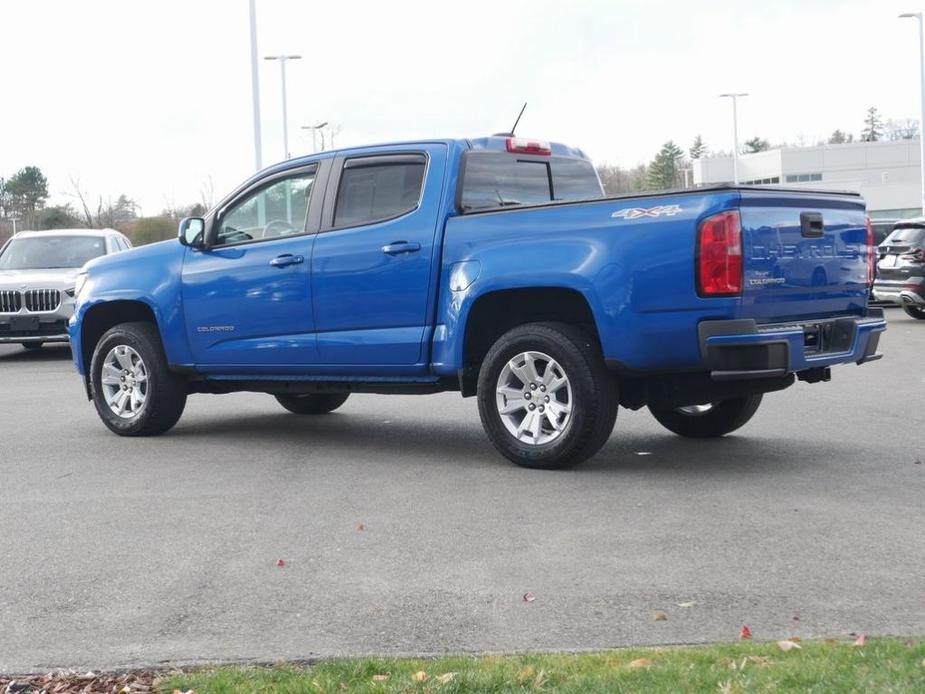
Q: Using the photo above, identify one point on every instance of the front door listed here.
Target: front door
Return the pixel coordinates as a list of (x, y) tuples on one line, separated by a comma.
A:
[(247, 296), (372, 262)]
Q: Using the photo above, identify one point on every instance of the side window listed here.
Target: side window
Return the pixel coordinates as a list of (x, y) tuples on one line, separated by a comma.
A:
[(374, 189), (278, 209)]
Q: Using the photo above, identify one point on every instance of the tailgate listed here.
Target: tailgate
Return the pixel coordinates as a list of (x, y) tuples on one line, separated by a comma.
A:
[(805, 255)]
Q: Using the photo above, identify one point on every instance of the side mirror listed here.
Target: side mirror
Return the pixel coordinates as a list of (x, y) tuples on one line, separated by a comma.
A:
[(192, 232)]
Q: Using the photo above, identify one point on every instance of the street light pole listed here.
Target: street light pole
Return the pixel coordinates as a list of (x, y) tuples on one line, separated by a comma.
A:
[(255, 86), (735, 134), (315, 129), (918, 15), (282, 64)]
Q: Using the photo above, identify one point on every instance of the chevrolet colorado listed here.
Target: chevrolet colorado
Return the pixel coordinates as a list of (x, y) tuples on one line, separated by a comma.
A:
[(494, 267)]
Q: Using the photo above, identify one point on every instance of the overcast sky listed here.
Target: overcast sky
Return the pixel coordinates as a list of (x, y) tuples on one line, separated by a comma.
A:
[(154, 98)]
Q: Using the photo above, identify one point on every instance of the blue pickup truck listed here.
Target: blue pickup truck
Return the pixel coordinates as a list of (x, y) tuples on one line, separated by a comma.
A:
[(495, 267)]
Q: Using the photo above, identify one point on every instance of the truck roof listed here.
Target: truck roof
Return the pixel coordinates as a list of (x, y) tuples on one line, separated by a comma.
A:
[(492, 143)]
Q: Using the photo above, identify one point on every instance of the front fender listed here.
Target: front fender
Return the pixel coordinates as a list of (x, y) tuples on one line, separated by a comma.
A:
[(149, 275)]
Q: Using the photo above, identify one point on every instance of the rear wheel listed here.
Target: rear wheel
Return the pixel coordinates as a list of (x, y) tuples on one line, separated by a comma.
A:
[(33, 345), (915, 312), (312, 403), (545, 397), (709, 420), (134, 391)]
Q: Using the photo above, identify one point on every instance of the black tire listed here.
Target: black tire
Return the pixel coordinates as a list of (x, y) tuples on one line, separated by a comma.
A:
[(33, 345), (312, 403), (915, 312), (166, 391), (594, 395), (722, 418)]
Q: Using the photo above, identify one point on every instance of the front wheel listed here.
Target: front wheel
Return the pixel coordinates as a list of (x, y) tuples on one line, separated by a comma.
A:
[(915, 312), (134, 391), (545, 397), (710, 420), (312, 403)]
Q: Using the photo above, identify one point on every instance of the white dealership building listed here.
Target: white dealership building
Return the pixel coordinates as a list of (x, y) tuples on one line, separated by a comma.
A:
[(886, 173)]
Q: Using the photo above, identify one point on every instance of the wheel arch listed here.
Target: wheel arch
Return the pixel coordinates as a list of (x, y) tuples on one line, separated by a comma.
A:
[(106, 315), (495, 312)]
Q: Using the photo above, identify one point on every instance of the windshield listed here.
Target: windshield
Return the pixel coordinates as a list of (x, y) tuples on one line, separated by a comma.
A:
[(906, 236), (51, 252)]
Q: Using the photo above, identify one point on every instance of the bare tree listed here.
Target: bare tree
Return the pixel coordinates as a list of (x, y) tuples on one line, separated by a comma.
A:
[(901, 129)]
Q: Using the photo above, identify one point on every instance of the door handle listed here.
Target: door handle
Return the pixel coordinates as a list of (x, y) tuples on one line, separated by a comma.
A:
[(399, 247), (286, 260)]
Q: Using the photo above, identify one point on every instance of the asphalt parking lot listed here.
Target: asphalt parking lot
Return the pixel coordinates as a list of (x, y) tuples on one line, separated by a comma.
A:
[(403, 532)]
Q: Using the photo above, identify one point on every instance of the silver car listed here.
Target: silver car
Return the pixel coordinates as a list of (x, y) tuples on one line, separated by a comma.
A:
[(38, 270)]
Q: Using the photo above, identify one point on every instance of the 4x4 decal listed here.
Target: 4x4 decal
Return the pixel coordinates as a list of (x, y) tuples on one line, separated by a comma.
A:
[(638, 212)]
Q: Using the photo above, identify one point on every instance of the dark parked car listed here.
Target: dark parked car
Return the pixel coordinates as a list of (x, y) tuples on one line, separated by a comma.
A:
[(901, 267)]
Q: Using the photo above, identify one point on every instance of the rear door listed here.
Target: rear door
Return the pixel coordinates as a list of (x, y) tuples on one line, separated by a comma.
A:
[(805, 255), (372, 262)]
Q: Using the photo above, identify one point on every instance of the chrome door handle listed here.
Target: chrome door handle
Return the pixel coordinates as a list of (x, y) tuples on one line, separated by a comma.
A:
[(399, 247), (286, 260)]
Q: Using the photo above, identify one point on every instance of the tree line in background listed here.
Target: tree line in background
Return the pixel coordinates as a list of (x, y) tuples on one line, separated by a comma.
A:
[(671, 166), (23, 197)]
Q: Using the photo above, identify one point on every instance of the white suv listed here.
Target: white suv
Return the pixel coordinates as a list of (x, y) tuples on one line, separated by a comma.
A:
[(38, 270)]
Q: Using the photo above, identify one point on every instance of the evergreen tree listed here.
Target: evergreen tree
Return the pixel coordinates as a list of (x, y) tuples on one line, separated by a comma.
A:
[(873, 126), (838, 138), (27, 190), (664, 171), (756, 144), (698, 148)]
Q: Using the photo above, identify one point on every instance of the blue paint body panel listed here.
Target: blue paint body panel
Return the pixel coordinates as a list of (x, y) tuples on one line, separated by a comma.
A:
[(351, 312)]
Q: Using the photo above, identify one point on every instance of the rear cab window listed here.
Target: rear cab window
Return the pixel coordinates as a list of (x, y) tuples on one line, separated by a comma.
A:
[(497, 180)]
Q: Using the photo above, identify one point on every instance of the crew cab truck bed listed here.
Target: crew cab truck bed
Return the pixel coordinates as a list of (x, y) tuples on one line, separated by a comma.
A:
[(494, 267)]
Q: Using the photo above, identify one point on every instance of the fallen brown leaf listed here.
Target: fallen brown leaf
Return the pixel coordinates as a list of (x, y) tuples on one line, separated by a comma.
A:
[(759, 660), (795, 638), (380, 678), (640, 663), (360, 527), (529, 597), (280, 563), (419, 676), (860, 641), (745, 633), (660, 616), (787, 645)]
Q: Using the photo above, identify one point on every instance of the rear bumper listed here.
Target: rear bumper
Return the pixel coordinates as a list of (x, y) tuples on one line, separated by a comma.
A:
[(909, 290), (739, 349)]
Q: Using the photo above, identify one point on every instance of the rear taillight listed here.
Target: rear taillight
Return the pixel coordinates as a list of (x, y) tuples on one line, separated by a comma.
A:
[(719, 255), (916, 256), (521, 145), (871, 253)]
